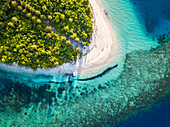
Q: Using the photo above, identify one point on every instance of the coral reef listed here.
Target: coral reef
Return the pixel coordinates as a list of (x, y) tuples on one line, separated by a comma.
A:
[(143, 82)]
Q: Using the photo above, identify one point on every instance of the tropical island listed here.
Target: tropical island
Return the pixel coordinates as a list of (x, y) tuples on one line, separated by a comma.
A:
[(56, 37), (40, 33)]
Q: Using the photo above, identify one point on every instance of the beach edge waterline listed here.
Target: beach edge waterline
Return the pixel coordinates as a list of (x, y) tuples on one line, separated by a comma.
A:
[(102, 45)]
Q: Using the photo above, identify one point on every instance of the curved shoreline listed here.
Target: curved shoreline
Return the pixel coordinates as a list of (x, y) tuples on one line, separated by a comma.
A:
[(99, 54), (103, 43), (137, 88)]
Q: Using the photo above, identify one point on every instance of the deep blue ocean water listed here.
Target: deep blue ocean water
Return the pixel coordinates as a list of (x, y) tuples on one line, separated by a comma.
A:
[(154, 15), (158, 116), (153, 19), (132, 21)]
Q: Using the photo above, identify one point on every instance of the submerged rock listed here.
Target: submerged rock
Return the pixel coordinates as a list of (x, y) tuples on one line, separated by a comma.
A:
[(144, 81)]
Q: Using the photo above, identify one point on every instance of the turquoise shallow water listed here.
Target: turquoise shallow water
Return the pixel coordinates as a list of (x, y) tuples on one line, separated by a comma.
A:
[(130, 36), (128, 22), (130, 32)]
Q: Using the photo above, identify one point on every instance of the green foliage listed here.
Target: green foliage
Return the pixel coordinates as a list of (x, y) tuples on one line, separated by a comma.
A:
[(27, 40)]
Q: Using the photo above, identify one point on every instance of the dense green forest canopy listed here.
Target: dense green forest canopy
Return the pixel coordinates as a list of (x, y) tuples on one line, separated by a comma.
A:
[(38, 33)]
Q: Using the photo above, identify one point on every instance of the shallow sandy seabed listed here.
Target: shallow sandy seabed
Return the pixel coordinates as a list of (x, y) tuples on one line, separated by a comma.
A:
[(138, 87)]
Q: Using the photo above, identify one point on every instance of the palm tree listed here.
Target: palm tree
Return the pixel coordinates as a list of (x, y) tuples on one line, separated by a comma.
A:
[(38, 21), (68, 42), (11, 24), (14, 3), (77, 39), (20, 8), (49, 35), (34, 18), (62, 16), (44, 8), (49, 17), (48, 28), (28, 15), (63, 38), (37, 12), (78, 49)]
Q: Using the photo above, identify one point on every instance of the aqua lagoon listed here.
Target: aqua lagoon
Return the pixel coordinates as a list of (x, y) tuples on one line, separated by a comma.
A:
[(138, 80)]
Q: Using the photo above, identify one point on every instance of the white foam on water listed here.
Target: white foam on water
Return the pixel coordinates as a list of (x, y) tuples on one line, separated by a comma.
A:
[(129, 34)]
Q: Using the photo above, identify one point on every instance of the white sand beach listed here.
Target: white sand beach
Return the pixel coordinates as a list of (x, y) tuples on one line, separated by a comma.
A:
[(102, 49)]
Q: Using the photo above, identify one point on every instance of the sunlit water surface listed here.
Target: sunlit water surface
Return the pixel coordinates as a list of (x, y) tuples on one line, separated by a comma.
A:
[(136, 23)]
